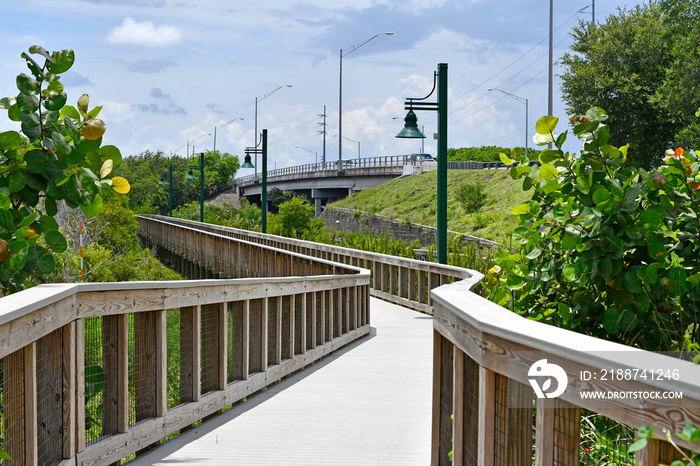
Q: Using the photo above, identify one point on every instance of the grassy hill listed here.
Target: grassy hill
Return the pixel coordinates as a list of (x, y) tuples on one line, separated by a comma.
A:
[(414, 199)]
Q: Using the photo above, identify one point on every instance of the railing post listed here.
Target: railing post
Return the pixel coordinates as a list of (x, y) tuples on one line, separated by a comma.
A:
[(161, 363), (544, 432), (30, 405), (487, 415), (69, 389)]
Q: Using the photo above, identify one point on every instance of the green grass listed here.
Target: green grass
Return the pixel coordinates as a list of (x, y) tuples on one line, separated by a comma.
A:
[(414, 199)]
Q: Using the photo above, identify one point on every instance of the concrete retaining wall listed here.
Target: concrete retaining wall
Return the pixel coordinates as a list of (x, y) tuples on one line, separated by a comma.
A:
[(362, 222)]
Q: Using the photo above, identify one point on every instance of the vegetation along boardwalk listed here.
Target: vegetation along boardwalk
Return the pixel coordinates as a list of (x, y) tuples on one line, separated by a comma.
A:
[(367, 404)]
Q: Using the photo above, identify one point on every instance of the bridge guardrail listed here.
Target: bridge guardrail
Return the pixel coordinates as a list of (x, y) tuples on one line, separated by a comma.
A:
[(367, 162)]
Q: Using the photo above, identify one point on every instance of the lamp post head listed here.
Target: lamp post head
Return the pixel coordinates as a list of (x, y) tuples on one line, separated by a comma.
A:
[(410, 128), (190, 175), (162, 180), (247, 162)]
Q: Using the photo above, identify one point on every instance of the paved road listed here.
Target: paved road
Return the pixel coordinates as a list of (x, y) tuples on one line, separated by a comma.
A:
[(367, 404)]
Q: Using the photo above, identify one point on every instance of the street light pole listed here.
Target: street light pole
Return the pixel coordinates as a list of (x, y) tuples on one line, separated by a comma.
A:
[(221, 126), (411, 131), (527, 113), (248, 164), (343, 53), (260, 99)]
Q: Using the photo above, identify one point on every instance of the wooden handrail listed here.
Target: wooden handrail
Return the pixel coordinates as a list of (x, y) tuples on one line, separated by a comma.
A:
[(403, 281), (480, 348), (87, 369)]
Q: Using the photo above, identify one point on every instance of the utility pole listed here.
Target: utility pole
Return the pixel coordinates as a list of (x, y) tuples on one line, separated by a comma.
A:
[(323, 131)]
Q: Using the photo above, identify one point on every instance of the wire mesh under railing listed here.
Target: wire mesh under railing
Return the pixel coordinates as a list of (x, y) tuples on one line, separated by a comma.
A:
[(172, 323), (514, 423), (12, 400), (101, 377), (50, 386), (470, 417), (142, 367)]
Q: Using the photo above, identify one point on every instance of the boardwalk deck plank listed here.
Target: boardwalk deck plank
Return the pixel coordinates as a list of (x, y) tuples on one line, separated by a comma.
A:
[(367, 404)]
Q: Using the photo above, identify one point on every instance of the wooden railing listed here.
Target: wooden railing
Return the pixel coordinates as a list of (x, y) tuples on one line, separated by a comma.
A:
[(93, 373), (407, 282), (483, 409)]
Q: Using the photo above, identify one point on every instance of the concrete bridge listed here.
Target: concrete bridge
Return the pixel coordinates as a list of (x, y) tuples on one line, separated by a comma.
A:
[(278, 351), (324, 183)]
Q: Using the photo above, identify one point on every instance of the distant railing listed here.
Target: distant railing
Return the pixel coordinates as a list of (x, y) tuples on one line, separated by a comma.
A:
[(331, 168), (93, 373), (403, 281)]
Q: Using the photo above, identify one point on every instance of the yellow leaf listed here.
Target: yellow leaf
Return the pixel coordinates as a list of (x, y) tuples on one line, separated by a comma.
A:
[(106, 168), (120, 185)]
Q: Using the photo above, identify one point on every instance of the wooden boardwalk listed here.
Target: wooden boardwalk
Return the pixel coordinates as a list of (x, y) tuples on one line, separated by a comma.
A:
[(367, 404)]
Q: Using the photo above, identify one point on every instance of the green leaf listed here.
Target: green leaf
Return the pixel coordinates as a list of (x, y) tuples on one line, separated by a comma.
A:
[(14, 113), (546, 125), (112, 153), (62, 61), (62, 146), (94, 208), (37, 161), (7, 224), (569, 272), (678, 278), (45, 263), (71, 112), (27, 85), (505, 159), (27, 103), (18, 253), (521, 209), (548, 172), (79, 193), (690, 433), (47, 223), (649, 220), (601, 195), (16, 182), (56, 101), (55, 241), (5, 202), (51, 206), (611, 320), (10, 140), (638, 445)]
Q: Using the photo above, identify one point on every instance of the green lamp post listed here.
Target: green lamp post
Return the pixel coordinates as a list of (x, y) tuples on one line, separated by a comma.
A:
[(190, 176), (246, 164), (162, 183), (411, 130)]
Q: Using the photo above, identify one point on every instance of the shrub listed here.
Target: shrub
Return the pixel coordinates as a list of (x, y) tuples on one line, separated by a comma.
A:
[(605, 249), (472, 197)]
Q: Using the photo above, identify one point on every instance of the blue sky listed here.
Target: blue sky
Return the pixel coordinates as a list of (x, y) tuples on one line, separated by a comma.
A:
[(168, 72)]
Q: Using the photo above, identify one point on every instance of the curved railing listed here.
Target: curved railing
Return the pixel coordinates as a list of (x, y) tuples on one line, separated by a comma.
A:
[(93, 373), (484, 408), (403, 281)]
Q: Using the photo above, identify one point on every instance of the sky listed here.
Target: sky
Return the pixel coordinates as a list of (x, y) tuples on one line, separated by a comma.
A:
[(172, 74)]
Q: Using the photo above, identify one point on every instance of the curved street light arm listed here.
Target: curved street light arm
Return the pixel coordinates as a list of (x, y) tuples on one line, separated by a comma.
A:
[(347, 51)]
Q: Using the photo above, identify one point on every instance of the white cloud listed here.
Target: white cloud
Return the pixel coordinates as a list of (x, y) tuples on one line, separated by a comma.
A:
[(145, 33)]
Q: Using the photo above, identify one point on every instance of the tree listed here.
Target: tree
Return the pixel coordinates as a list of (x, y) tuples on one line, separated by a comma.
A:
[(642, 66), (57, 157), (149, 168), (296, 220)]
